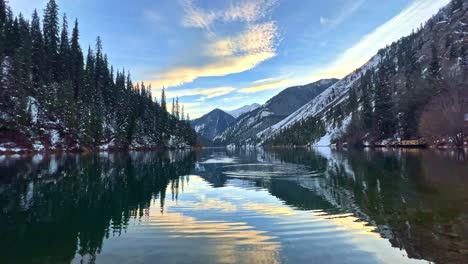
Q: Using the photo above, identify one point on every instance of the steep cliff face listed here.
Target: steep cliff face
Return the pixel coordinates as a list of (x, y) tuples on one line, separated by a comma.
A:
[(390, 97), (212, 124), (276, 109)]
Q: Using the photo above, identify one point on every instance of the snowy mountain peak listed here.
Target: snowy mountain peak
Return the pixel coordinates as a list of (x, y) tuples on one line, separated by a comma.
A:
[(244, 109)]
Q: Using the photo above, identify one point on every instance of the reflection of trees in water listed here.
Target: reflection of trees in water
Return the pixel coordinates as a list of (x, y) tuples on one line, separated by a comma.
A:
[(416, 198), (54, 206)]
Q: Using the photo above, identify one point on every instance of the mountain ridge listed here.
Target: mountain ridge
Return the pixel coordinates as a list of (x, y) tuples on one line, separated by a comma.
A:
[(273, 111), (236, 113), (392, 97), (212, 123)]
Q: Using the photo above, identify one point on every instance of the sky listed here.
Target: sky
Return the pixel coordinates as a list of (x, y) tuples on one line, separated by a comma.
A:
[(229, 53)]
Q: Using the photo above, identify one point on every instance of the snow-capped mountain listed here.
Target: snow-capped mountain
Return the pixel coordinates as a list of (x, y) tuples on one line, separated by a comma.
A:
[(276, 109), (333, 95), (242, 110), (386, 98), (212, 124)]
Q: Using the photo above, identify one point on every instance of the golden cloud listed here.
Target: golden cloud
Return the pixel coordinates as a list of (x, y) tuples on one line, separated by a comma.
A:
[(231, 55), (207, 93)]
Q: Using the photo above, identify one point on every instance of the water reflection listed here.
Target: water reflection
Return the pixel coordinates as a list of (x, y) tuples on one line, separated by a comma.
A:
[(251, 206)]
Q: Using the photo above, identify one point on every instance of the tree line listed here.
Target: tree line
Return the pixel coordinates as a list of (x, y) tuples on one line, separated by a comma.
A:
[(49, 84)]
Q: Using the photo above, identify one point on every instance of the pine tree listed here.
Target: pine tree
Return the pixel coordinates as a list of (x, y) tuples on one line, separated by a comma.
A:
[(76, 61), (64, 53), (51, 40), (163, 100), (3, 16), (173, 112), (3, 12), (12, 34), (39, 72), (177, 109), (383, 113), (182, 115), (367, 111)]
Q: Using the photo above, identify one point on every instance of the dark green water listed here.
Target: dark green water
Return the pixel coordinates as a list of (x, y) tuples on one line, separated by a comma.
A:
[(214, 206)]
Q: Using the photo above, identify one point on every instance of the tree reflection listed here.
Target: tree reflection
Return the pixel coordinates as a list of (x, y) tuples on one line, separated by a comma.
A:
[(55, 206)]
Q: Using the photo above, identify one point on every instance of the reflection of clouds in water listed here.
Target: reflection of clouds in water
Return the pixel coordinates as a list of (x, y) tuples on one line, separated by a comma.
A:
[(224, 239), (269, 209), (220, 160)]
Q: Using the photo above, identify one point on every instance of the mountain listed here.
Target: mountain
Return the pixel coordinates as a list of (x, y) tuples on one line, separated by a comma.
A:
[(273, 111), (402, 93), (245, 109), (212, 124)]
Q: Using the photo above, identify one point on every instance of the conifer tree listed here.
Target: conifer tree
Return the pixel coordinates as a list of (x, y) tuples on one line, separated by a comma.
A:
[(76, 61), (64, 53), (38, 67), (51, 40)]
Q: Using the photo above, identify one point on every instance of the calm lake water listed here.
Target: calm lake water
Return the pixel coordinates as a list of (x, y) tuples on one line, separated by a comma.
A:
[(218, 206)]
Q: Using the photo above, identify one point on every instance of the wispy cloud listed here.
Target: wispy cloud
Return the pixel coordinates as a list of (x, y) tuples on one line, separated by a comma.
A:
[(343, 14), (401, 25), (234, 98), (196, 17), (206, 93), (242, 11), (249, 10), (265, 85)]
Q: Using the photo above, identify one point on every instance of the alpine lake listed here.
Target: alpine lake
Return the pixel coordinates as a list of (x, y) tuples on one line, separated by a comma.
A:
[(315, 205)]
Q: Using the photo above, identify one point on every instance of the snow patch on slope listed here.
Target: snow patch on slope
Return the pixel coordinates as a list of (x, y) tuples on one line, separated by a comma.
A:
[(245, 109)]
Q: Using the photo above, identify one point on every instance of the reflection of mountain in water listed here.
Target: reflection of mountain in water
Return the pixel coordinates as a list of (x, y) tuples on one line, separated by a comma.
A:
[(58, 206), (416, 199), (52, 206)]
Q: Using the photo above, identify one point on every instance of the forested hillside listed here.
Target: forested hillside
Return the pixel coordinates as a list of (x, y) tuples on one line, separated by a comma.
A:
[(417, 88), (53, 96)]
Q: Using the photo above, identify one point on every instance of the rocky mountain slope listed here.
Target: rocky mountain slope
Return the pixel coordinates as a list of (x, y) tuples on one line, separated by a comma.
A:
[(242, 110), (273, 111), (417, 87), (212, 124)]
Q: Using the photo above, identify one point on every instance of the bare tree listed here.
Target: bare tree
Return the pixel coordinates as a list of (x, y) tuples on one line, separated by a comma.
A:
[(445, 116)]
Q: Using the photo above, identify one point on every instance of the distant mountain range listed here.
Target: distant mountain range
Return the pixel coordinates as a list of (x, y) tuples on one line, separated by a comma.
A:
[(273, 111), (245, 109)]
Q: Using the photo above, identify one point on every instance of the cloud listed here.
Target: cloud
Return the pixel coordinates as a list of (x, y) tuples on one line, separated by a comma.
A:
[(234, 98), (342, 15), (401, 25), (265, 85), (249, 10), (196, 17), (206, 93), (242, 11), (228, 55), (324, 20)]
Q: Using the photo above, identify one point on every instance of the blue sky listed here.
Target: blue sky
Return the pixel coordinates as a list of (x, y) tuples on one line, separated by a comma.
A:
[(228, 53)]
